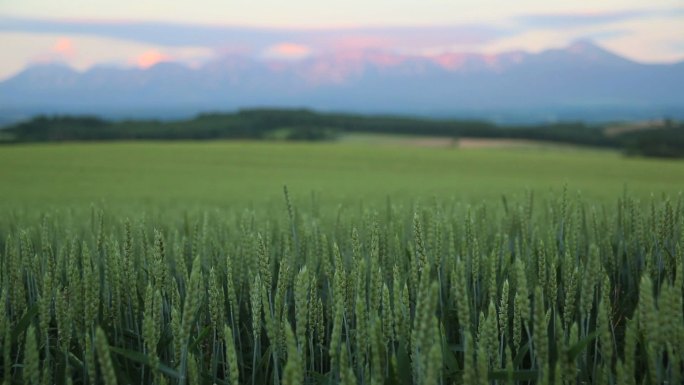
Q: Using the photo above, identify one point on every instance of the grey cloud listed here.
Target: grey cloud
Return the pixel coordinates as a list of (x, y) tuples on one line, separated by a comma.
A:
[(168, 34), (172, 34)]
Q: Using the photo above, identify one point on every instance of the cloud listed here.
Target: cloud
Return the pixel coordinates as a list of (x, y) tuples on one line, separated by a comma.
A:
[(582, 19), (61, 51), (287, 51), (83, 43), (167, 34), (259, 39), (149, 58), (64, 47)]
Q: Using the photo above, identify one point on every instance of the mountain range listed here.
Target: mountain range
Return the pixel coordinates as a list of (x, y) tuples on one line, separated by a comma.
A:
[(582, 78)]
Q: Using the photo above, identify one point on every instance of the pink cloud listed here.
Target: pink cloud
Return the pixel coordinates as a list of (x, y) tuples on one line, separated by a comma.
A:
[(61, 51), (64, 47), (149, 58), (289, 51), (451, 61), (359, 42)]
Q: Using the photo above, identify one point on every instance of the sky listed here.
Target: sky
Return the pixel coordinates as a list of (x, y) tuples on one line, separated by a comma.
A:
[(141, 33)]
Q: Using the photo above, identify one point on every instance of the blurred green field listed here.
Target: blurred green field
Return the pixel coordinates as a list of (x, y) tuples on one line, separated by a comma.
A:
[(238, 173)]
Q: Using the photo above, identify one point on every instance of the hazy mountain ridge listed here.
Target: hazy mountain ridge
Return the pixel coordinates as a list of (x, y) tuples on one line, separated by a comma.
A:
[(578, 76)]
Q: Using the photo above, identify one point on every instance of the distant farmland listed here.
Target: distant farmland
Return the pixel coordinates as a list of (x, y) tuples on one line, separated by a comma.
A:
[(228, 173), (663, 138)]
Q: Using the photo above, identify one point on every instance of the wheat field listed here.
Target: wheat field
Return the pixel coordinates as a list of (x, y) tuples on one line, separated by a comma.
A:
[(540, 290), (188, 263)]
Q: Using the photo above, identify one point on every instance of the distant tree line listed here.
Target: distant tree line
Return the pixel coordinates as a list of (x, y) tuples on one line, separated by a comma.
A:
[(278, 124), (665, 142)]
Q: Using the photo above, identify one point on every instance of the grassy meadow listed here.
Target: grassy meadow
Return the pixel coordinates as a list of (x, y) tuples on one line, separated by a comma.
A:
[(238, 173), (381, 263)]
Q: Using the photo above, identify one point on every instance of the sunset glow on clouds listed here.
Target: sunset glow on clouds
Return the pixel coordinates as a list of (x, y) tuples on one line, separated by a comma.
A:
[(287, 51), (130, 33), (62, 51), (84, 51), (149, 58), (64, 47)]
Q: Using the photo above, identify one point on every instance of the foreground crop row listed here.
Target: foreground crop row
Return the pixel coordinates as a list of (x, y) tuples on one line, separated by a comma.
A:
[(550, 291)]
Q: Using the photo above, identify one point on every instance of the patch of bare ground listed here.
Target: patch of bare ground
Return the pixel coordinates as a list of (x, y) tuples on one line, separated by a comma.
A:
[(623, 128), (433, 142), (500, 143)]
